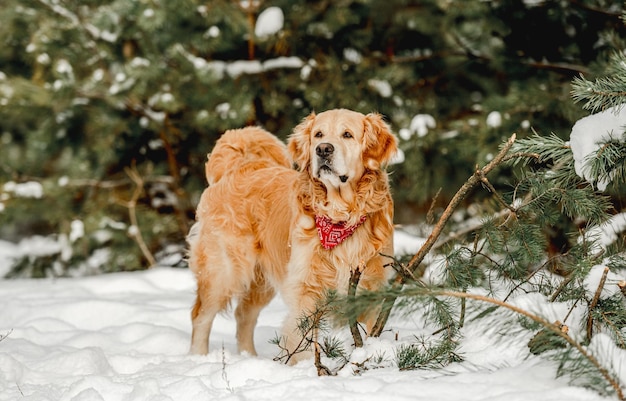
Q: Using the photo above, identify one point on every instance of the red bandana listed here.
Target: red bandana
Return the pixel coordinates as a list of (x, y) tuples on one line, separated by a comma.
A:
[(332, 234)]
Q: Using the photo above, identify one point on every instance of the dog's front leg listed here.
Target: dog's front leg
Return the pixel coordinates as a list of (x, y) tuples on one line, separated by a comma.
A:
[(300, 330)]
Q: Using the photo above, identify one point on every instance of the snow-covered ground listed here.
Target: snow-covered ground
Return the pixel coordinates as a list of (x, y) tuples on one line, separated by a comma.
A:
[(125, 337)]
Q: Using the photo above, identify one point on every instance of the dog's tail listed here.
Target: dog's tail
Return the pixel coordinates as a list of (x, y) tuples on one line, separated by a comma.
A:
[(248, 148)]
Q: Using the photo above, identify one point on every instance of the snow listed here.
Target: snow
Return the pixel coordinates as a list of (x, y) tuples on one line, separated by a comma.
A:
[(420, 125), (587, 136), (29, 189), (43, 59), (236, 68), (269, 22), (77, 230), (533, 3), (382, 87), (125, 336), (282, 62), (213, 32), (610, 287), (494, 119), (98, 74), (352, 55), (605, 234), (138, 62)]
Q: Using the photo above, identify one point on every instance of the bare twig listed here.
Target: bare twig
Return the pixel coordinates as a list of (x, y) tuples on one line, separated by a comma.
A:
[(131, 205), (354, 282), (3, 336), (430, 216), (224, 374), (622, 287), (112, 184), (250, 8), (561, 287), (181, 194), (495, 193), (594, 302), (309, 336), (322, 370), (417, 259)]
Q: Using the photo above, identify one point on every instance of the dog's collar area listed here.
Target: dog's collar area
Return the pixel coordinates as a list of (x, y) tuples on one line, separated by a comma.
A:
[(332, 234)]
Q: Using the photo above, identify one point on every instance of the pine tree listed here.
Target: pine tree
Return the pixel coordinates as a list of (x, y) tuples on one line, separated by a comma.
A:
[(94, 93), (503, 253)]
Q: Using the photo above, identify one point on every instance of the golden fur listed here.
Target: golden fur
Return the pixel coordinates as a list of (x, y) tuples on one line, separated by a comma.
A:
[(255, 231)]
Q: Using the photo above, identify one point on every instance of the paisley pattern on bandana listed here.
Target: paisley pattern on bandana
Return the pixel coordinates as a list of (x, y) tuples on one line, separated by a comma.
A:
[(332, 234)]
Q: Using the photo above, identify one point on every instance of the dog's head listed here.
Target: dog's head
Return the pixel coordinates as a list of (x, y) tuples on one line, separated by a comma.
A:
[(337, 146)]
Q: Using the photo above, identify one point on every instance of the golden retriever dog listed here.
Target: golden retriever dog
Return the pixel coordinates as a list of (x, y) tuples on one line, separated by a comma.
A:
[(263, 226)]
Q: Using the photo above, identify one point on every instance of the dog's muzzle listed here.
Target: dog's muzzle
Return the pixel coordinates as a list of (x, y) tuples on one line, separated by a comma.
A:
[(324, 152)]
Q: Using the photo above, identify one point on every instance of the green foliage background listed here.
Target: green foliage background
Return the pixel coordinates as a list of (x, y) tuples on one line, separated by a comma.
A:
[(90, 89)]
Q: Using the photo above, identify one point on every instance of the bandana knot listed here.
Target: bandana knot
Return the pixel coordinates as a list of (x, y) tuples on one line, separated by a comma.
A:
[(332, 234)]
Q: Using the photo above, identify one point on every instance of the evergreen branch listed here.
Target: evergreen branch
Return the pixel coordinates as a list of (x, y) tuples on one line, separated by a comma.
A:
[(91, 30), (423, 355), (617, 332), (608, 164), (417, 259), (495, 193), (470, 227), (600, 10), (556, 328), (309, 326), (169, 129), (600, 95), (522, 282), (564, 67), (474, 180), (561, 287), (399, 267), (541, 149), (555, 66), (471, 54), (594, 302)]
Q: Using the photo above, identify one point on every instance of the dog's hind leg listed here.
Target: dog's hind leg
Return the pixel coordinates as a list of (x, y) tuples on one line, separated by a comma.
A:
[(208, 305), (202, 317), (248, 310)]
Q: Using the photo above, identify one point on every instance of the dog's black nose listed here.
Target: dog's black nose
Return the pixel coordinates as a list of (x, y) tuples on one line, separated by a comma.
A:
[(324, 149)]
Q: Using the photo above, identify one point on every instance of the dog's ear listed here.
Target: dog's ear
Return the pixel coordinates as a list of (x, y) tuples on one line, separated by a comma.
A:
[(299, 142), (380, 144)]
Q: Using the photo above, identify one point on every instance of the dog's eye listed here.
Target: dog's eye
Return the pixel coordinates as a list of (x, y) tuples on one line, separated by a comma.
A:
[(347, 135), (319, 134)]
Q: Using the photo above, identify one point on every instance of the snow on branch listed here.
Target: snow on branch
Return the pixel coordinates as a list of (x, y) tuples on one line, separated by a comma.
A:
[(588, 139)]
